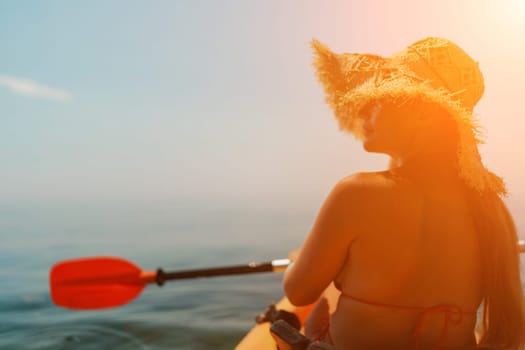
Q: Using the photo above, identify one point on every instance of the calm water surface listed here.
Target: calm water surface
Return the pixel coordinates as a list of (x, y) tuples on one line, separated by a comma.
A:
[(211, 313)]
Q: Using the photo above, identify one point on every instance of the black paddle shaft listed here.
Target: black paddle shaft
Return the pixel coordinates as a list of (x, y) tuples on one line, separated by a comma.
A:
[(216, 271)]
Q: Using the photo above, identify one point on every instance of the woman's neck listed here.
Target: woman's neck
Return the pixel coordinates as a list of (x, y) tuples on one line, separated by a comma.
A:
[(427, 167)]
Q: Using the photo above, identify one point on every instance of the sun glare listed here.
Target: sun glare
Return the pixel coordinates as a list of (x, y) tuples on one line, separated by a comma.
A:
[(515, 10)]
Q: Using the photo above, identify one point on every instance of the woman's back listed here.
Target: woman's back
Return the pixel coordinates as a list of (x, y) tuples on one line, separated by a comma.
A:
[(414, 248)]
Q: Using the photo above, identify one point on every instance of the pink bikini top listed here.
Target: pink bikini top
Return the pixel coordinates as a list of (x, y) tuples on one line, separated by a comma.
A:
[(452, 314)]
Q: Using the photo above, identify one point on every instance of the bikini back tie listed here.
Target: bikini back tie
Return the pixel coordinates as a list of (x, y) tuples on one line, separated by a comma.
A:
[(452, 314)]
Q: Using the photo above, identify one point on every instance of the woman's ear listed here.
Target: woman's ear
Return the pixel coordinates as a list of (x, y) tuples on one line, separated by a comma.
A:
[(424, 119), (426, 115)]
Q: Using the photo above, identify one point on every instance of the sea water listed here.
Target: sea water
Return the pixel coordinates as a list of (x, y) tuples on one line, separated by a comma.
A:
[(212, 313)]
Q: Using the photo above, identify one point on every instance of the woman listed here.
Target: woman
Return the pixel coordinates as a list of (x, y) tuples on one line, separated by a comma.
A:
[(414, 251)]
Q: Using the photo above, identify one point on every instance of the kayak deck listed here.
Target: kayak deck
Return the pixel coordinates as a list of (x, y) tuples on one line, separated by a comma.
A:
[(259, 337)]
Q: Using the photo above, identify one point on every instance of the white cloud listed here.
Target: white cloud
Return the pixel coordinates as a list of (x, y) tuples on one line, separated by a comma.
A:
[(31, 88)]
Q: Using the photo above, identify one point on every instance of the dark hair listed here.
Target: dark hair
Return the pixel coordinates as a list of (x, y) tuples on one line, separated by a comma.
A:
[(503, 320)]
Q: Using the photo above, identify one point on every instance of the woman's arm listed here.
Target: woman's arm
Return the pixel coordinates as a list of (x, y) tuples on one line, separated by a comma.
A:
[(326, 247)]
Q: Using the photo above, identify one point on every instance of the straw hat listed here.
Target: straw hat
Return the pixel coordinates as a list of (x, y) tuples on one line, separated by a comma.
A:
[(432, 69)]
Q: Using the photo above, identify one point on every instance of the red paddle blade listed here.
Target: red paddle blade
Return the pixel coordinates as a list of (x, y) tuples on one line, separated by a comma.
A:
[(95, 283)]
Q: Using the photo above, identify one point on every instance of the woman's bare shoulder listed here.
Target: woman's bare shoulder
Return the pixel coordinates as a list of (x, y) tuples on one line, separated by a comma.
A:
[(376, 180), (377, 186)]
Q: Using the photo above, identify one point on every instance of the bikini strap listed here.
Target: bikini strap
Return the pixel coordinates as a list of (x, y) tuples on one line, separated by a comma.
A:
[(452, 314)]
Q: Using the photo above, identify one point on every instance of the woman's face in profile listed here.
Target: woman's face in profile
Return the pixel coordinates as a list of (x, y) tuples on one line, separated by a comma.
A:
[(389, 128)]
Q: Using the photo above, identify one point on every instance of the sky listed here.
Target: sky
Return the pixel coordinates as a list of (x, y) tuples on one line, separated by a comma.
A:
[(206, 103)]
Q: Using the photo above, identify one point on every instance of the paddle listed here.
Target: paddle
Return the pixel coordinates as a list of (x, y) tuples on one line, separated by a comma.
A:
[(103, 282)]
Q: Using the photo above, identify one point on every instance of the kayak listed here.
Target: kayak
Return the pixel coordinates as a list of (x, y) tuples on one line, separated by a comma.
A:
[(260, 338)]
